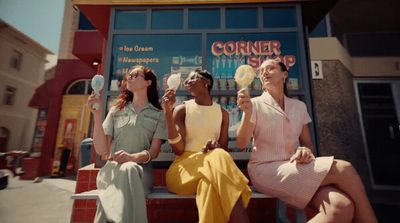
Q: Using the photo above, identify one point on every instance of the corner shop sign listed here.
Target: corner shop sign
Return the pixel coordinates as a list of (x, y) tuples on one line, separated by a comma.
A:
[(255, 51)]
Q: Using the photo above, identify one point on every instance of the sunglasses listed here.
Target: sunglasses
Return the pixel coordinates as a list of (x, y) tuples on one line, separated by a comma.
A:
[(193, 77), (266, 69), (270, 68), (134, 75)]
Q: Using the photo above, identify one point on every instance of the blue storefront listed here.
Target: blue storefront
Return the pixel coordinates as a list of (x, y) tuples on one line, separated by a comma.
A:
[(219, 38)]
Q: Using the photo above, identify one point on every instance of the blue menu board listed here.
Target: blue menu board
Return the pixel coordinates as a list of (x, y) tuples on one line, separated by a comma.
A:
[(165, 54)]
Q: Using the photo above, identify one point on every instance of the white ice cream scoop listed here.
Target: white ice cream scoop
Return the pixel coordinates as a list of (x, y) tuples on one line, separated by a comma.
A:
[(97, 84), (244, 75), (174, 80)]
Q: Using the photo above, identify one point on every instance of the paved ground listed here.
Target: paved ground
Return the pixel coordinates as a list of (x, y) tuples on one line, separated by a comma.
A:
[(46, 201), (49, 201)]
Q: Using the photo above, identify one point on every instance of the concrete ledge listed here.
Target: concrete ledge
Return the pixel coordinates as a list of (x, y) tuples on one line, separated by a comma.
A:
[(157, 193), (92, 194)]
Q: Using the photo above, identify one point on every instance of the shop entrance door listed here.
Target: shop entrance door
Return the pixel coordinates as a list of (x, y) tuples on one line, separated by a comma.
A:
[(73, 127), (379, 106)]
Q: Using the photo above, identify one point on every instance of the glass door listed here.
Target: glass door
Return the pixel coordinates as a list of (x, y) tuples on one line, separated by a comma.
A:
[(379, 106)]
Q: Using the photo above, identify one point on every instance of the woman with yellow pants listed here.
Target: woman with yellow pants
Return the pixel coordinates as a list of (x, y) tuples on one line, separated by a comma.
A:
[(197, 132)]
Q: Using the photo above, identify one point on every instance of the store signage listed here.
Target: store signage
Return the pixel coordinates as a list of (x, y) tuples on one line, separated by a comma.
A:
[(255, 51)]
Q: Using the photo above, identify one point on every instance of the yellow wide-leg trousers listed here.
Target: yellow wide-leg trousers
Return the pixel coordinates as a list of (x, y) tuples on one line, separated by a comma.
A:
[(214, 178)]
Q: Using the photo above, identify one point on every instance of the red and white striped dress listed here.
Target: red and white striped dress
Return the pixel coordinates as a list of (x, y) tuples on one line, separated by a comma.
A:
[(276, 138)]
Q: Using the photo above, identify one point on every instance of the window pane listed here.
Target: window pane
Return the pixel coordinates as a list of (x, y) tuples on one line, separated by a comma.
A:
[(130, 20), (9, 95), (167, 19), (204, 18), (241, 18), (379, 116), (165, 54), (320, 29), (84, 23), (77, 88), (385, 44), (16, 59), (226, 52), (279, 17)]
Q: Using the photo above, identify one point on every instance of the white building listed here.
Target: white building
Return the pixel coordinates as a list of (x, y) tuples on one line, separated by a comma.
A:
[(22, 70)]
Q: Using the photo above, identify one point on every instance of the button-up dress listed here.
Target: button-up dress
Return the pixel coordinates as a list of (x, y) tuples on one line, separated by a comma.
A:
[(123, 187), (275, 140)]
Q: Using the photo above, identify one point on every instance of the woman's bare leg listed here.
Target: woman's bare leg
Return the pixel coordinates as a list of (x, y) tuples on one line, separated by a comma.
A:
[(333, 206), (343, 175)]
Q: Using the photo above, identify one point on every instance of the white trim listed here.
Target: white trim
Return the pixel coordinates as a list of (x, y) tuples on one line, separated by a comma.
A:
[(328, 25)]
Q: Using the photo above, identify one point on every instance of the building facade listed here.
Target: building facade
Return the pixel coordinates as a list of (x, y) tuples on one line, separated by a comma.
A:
[(63, 97), (355, 71), (22, 70), (347, 75)]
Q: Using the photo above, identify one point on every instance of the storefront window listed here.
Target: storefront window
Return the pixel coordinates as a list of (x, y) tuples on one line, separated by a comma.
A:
[(217, 39), (40, 129), (225, 52), (204, 19), (167, 19), (80, 87), (239, 18), (130, 20), (165, 54), (279, 17)]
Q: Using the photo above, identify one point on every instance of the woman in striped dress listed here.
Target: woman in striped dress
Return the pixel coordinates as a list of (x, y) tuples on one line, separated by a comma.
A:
[(282, 163)]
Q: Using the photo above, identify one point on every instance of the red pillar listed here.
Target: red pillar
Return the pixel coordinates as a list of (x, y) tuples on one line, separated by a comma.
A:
[(67, 71)]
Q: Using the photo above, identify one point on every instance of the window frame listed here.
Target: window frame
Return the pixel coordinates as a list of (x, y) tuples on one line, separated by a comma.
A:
[(304, 92), (16, 59), (86, 90), (9, 96), (395, 84)]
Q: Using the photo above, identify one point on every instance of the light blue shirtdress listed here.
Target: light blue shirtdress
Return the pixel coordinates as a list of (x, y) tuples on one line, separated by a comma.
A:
[(122, 188)]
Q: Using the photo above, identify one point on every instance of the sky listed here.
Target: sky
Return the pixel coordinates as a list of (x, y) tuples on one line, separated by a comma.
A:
[(41, 20)]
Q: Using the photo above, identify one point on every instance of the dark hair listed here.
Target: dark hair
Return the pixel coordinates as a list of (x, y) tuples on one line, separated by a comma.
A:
[(284, 68), (152, 91), (206, 75)]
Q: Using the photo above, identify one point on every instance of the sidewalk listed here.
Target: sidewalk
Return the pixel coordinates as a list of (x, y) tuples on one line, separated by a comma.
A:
[(49, 201), (46, 201)]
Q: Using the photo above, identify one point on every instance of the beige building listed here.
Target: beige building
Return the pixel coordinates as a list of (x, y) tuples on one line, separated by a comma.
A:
[(22, 70)]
